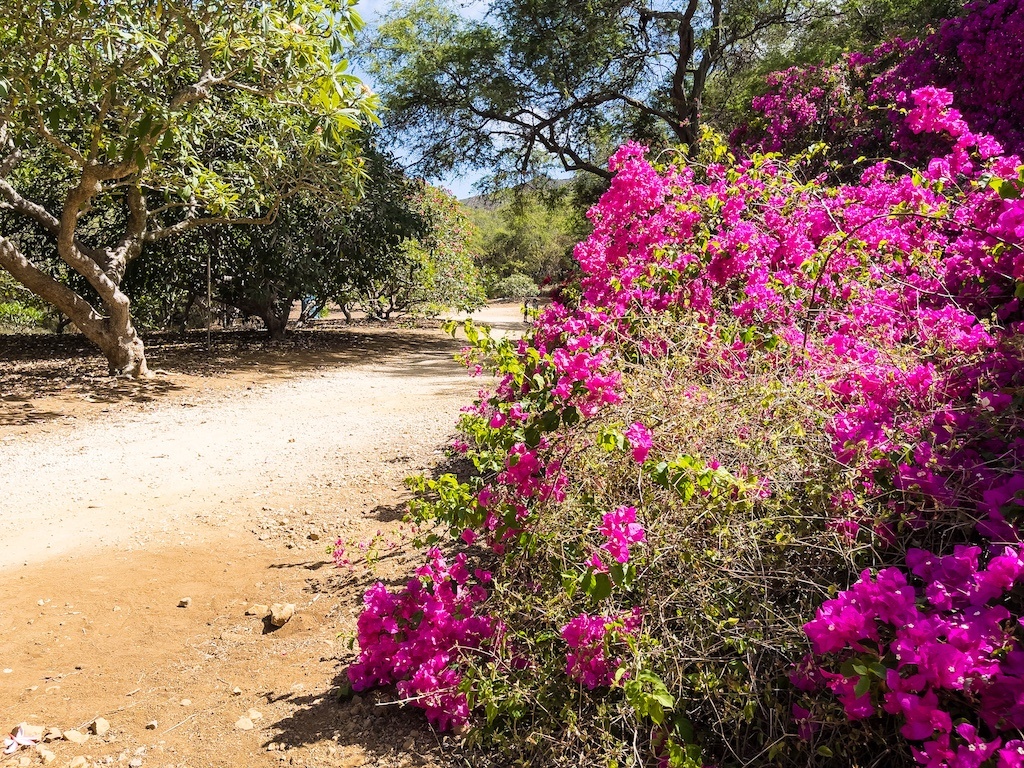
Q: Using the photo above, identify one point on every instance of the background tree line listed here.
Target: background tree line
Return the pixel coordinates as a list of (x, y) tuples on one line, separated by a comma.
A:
[(138, 143)]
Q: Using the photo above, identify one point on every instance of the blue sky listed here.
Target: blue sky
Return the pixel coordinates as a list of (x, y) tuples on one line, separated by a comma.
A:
[(371, 10)]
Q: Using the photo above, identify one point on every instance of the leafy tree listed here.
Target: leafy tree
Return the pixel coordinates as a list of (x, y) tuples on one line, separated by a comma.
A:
[(541, 81), (857, 25), (318, 249), (399, 247), (430, 273), (528, 231), (159, 118)]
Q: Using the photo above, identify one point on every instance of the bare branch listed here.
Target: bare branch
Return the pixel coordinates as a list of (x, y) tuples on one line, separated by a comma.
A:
[(187, 225)]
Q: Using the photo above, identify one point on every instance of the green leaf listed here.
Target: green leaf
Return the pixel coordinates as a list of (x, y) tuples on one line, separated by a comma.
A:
[(1007, 190), (602, 586), (550, 420), (863, 686)]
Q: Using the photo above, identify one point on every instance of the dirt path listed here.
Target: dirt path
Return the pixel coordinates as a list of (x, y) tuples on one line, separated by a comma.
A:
[(227, 490)]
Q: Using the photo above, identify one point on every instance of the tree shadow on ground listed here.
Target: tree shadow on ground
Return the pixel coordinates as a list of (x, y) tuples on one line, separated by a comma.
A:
[(309, 566), (373, 722), (389, 513), (36, 367)]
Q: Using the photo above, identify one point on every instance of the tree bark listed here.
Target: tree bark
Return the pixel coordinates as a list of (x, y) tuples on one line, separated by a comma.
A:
[(276, 322), (115, 335)]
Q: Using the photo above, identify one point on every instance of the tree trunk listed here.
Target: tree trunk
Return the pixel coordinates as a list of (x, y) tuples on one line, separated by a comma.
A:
[(277, 323), (125, 352), (192, 296), (115, 335)]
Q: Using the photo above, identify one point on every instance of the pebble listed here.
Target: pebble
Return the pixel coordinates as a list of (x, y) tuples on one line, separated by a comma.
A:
[(135, 762), (280, 613), (236, 691), (151, 725), (254, 715), (53, 734), (100, 726), (24, 762), (244, 724), (34, 732), (185, 602), (76, 736), (46, 755), (186, 702), (78, 762), (257, 609), (409, 744)]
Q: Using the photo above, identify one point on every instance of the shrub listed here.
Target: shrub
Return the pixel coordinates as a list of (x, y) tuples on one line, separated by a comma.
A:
[(515, 286), (17, 316), (768, 386), (855, 107)]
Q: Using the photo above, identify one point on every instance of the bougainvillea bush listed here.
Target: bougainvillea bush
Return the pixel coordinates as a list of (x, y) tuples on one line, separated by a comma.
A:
[(756, 498), (855, 105)]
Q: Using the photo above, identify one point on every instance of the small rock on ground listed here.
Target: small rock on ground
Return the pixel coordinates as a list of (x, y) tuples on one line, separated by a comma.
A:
[(76, 736), (280, 613)]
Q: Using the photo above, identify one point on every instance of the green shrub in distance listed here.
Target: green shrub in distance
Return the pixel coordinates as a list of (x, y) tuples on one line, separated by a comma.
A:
[(515, 286)]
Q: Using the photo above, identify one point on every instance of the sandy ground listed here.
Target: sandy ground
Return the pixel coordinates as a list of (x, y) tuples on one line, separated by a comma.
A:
[(219, 489)]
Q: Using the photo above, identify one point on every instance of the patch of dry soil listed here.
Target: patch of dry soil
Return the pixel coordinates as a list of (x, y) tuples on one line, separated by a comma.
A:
[(225, 485)]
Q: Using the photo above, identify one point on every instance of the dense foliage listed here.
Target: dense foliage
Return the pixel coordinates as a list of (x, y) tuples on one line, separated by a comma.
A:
[(319, 248), (854, 105), (528, 232), (429, 273), (541, 83), (757, 497), (161, 117)]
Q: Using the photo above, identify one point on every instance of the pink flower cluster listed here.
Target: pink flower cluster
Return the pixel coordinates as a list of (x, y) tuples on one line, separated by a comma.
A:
[(416, 639), (839, 281), (640, 440), (953, 645), (977, 58), (621, 531), (895, 295), (589, 638)]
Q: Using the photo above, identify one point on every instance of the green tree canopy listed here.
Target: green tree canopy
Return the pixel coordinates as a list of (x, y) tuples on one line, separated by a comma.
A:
[(528, 231), (317, 249), (160, 117), (542, 81), (431, 272)]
